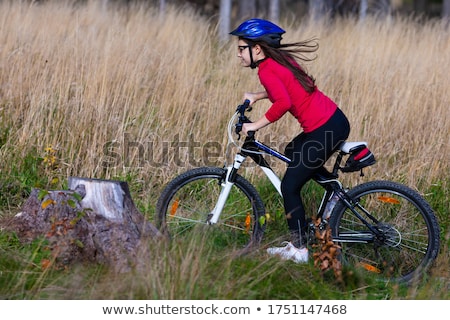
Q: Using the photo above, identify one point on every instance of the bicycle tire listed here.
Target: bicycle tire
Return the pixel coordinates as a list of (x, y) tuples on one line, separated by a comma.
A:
[(411, 230), (187, 200)]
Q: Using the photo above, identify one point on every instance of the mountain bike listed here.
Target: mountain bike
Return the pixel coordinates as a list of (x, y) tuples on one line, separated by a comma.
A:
[(384, 227)]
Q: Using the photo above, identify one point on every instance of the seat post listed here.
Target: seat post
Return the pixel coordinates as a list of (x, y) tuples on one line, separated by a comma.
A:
[(337, 163)]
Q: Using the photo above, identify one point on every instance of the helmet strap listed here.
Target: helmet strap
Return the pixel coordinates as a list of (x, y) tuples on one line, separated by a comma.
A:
[(253, 64)]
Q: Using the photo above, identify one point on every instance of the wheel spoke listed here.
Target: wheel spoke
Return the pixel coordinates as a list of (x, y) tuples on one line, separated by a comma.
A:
[(408, 231), (191, 197)]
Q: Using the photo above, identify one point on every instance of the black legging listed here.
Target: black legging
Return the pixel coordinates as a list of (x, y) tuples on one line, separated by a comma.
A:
[(309, 152)]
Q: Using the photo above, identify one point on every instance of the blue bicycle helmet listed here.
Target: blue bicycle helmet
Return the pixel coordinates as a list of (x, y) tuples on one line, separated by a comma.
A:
[(260, 30)]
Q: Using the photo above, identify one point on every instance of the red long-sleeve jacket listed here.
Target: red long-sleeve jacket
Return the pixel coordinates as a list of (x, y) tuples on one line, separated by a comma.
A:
[(287, 95)]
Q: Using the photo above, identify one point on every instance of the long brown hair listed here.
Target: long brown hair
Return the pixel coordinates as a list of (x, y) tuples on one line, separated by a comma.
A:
[(289, 55)]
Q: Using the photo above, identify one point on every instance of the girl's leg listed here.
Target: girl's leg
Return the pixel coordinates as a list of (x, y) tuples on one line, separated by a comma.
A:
[(309, 152), (299, 171)]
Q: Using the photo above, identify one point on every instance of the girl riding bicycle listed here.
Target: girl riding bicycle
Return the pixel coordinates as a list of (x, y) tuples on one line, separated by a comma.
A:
[(291, 89)]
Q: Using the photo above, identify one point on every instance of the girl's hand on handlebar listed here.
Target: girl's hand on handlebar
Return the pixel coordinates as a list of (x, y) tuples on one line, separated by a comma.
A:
[(248, 127), (255, 96), (255, 126), (249, 96)]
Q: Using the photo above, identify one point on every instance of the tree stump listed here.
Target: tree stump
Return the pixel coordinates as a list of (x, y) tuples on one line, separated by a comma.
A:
[(95, 220)]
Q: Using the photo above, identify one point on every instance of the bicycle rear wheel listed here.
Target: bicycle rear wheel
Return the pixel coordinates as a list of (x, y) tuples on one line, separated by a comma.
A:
[(410, 231), (187, 201)]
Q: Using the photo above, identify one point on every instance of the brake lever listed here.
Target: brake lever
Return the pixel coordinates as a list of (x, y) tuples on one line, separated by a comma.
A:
[(238, 129), (242, 117)]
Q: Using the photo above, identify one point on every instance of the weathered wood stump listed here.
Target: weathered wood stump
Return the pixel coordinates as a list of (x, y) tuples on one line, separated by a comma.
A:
[(95, 220)]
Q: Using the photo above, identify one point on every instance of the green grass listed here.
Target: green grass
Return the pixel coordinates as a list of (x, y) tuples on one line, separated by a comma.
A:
[(196, 270), (198, 267)]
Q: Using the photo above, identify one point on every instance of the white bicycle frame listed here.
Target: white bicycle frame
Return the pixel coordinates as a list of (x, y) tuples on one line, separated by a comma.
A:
[(227, 184)]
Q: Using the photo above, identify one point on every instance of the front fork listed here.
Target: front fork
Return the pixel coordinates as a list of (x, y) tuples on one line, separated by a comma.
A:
[(226, 185)]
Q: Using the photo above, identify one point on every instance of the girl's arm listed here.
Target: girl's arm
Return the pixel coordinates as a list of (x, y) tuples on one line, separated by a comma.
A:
[(255, 96), (262, 122), (255, 126)]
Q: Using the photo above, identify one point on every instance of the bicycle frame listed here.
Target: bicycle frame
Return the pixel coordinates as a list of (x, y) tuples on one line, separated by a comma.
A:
[(255, 149), (255, 145)]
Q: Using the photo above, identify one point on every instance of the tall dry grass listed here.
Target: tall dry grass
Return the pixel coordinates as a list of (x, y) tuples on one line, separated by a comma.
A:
[(84, 80)]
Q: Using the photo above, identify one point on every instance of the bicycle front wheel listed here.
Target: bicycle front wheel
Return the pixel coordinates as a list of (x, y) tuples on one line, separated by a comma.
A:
[(409, 232), (187, 201)]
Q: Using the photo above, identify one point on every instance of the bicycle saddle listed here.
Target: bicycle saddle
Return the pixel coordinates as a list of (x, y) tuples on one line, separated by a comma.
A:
[(348, 147)]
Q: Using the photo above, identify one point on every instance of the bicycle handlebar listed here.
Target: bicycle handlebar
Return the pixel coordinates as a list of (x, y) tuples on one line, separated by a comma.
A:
[(243, 119)]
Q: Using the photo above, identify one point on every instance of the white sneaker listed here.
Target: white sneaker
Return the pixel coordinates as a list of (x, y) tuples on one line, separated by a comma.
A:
[(290, 252)]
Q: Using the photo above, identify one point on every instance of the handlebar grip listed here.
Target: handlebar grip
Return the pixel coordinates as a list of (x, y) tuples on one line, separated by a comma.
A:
[(251, 134), (244, 107), (243, 118), (247, 105)]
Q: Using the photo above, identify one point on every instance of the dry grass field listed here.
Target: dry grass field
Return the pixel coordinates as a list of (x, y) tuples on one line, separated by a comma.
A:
[(81, 80), (140, 96)]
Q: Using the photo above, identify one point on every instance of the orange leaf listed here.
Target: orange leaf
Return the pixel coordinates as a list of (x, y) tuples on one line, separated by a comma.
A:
[(45, 264), (388, 200), (248, 221), (370, 268), (47, 202), (174, 207)]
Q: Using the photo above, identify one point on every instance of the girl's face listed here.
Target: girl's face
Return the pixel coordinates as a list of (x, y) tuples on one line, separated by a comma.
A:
[(243, 53)]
